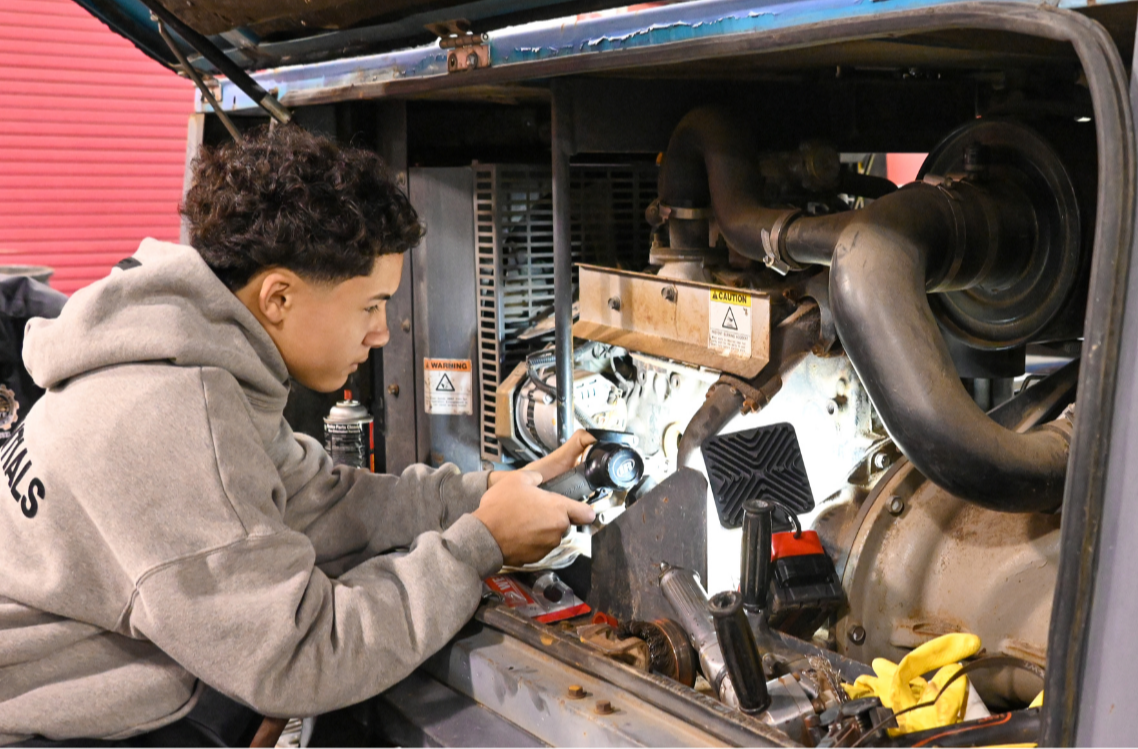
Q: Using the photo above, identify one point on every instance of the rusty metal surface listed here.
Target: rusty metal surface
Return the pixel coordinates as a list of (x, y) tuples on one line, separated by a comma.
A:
[(530, 688), (672, 699), (923, 563), (668, 524), (665, 317)]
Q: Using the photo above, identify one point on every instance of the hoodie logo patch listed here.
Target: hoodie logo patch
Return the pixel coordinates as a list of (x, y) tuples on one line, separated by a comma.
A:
[(9, 408), (17, 467)]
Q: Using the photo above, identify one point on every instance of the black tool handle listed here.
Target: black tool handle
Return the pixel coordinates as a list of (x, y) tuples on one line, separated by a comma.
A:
[(571, 484), (754, 577), (741, 654)]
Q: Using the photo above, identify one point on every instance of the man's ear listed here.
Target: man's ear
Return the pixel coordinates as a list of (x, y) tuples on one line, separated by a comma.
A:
[(276, 295)]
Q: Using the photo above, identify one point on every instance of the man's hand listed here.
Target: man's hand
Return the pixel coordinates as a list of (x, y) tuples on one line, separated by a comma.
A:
[(559, 461), (528, 522)]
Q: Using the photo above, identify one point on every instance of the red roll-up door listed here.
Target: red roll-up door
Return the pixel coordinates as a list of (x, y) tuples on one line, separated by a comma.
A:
[(92, 142)]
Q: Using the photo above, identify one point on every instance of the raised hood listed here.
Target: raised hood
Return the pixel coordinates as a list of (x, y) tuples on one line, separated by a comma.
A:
[(258, 34)]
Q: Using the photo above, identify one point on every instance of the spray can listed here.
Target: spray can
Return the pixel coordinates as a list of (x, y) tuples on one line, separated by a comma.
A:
[(349, 435)]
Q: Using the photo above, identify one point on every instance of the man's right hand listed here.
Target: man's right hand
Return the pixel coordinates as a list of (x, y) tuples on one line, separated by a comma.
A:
[(528, 522)]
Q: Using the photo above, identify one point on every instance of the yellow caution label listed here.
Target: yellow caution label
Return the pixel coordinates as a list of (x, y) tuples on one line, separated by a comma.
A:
[(736, 298), (729, 322)]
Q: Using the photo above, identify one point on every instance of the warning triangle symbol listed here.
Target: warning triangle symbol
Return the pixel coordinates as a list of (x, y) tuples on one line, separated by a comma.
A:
[(729, 320), (444, 385)]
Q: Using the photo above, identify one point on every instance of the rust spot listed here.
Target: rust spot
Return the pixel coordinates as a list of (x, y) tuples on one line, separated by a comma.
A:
[(546, 640)]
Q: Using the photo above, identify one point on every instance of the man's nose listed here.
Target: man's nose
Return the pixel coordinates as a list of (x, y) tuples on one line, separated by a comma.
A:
[(377, 338)]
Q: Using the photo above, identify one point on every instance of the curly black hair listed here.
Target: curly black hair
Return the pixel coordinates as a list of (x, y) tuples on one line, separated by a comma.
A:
[(284, 197)]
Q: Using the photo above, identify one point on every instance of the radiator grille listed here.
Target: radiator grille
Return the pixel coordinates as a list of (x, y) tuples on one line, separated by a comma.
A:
[(513, 214)]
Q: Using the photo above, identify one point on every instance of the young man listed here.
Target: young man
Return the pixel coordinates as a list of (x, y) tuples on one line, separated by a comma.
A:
[(166, 530)]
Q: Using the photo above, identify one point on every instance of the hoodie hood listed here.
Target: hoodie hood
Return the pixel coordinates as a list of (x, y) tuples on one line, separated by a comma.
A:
[(168, 308)]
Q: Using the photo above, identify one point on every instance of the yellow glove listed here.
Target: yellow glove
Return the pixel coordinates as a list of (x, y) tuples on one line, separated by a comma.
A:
[(900, 686)]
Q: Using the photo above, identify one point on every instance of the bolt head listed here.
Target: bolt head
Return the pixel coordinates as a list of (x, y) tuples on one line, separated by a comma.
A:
[(856, 634), (393, 389), (604, 707), (668, 293), (406, 326), (881, 461), (896, 505), (576, 692), (614, 303), (674, 380), (472, 61)]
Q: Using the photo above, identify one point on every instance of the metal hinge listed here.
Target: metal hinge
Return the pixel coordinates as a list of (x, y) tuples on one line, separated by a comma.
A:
[(467, 50)]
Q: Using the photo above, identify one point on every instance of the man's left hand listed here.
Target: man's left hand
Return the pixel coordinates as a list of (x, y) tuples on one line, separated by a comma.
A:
[(559, 461)]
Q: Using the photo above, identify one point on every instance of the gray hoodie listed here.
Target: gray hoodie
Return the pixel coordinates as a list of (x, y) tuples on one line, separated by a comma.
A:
[(165, 527)]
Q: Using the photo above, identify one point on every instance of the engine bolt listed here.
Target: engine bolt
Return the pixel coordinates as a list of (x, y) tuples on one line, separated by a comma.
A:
[(576, 692), (896, 505), (881, 461), (669, 293), (393, 389), (614, 303), (856, 634), (604, 707)]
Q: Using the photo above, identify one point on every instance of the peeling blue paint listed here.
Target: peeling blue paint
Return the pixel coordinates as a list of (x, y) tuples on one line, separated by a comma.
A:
[(603, 33)]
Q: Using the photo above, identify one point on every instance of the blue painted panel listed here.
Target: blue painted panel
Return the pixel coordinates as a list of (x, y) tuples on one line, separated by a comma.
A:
[(609, 32)]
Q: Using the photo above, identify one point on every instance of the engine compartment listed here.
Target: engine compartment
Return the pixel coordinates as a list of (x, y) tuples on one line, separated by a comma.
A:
[(908, 380), (786, 290)]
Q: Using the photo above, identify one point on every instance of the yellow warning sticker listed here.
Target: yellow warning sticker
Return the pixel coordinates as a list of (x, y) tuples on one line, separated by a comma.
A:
[(448, 386), (729, 322)]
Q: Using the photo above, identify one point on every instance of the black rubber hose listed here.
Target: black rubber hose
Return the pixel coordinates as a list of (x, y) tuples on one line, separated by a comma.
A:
[(740, 653), (712, 161), (884, 260), (755, 565), (883, 264), (1021, 727)]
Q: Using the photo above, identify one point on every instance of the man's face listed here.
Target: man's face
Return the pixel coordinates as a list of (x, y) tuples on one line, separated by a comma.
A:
[(324, 331)]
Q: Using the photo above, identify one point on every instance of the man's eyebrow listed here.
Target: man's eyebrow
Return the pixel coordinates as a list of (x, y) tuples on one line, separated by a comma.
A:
[(381, 297)]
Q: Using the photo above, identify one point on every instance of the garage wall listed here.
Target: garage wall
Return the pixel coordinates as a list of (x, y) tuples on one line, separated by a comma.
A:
[(92, 142)]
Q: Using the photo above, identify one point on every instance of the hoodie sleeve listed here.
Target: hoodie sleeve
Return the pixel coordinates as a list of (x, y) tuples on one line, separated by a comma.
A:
[(258, 622), (351, 514), (253, 615)]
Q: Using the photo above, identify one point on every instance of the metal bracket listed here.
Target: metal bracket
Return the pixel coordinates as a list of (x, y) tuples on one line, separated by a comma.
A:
[(468, 51)]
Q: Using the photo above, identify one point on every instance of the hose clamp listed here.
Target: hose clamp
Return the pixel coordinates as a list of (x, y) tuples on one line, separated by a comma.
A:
[(774, 244), (684, 214)]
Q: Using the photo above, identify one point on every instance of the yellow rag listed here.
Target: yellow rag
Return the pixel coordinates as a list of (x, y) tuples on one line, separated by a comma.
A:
[(900, 685)]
